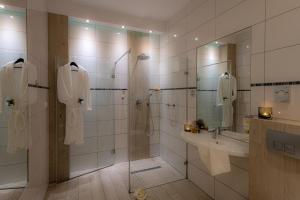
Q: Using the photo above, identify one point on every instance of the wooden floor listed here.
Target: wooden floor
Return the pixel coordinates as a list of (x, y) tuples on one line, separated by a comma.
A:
[(13, 194), (112, 184)]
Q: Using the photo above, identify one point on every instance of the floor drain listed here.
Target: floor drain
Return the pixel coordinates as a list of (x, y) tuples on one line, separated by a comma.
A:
[(144, 170)]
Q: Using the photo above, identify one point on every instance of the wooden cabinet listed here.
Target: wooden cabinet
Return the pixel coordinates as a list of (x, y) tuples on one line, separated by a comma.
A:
[(273, 176)]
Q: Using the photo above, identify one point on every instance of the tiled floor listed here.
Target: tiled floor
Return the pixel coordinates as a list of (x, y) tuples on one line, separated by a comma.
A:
[(13, 194), (111, 184)]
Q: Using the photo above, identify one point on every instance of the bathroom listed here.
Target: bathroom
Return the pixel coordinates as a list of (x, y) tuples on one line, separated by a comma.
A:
[(151, 122)]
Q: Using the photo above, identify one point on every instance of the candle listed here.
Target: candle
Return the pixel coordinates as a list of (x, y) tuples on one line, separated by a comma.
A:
[(265, 112), (187, 127)]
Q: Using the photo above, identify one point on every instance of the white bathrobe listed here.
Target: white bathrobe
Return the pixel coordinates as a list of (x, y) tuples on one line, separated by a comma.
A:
[(71, 86), (14, 80), (226, 95)]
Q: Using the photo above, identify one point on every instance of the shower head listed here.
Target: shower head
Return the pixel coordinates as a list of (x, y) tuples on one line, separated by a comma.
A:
[(143, 57)]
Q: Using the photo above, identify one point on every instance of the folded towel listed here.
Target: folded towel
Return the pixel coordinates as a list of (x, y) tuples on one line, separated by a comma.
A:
[(216, 161)]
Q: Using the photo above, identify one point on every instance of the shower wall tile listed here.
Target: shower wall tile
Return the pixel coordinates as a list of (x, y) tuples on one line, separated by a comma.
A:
[(17, 24), (121, 155), (13, 173), (12, 40), (243, 15), (282, 64), (279, 27), (12, 159), (223, 6), (200, 15), (121, 141), (258, 38), (89, 146), (258, 68), (83, 162), (276, 7), (105, 159)]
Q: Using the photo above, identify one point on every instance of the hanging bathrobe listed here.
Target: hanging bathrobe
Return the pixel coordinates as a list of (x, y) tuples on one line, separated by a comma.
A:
[(14, 80), (226, 94), (73, 89)]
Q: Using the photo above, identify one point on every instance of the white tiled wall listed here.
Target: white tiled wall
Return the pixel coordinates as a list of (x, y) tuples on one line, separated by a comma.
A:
[(273, 58), (13, 167)]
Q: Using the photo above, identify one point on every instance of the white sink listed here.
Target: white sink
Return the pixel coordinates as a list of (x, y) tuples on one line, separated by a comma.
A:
[(235, 144), (215, 153)]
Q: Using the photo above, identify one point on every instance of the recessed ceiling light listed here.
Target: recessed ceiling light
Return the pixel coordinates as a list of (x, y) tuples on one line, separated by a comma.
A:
[(123, 27), (87, 21), (175, 35), (196, 39), (2, 6), (11, 17), (150, 31), (217, 42)]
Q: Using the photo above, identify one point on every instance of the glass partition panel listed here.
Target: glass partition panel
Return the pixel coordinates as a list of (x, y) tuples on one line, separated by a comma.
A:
[(96, 48)]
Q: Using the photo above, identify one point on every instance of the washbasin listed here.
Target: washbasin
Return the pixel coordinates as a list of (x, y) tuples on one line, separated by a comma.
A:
[(215, 152), (235, 144)]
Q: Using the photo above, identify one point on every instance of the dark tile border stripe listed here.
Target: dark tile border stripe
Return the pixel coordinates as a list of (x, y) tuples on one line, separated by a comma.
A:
[(38, 86), (182, 88), (122, 89), (275, 83), (216, 90)]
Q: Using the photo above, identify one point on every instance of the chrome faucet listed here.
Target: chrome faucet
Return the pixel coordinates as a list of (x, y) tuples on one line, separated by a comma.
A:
[(215, 132)]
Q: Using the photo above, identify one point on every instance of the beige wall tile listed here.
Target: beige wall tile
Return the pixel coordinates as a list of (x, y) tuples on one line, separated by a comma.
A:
[(283, 30), (276, 7), (258, 68), (200, 15), (223, 6), (244, 15), (258, 38), (282, 64)]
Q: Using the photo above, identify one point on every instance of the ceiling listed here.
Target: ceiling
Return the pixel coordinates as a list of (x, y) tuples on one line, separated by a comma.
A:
[(161, 10)]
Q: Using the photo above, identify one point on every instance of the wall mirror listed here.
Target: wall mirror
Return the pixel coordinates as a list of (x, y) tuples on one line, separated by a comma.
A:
[(13, 116), (223, 81)]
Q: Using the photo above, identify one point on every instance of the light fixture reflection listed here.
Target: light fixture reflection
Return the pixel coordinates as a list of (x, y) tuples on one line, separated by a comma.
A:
[(87, 21), (2, 6)]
